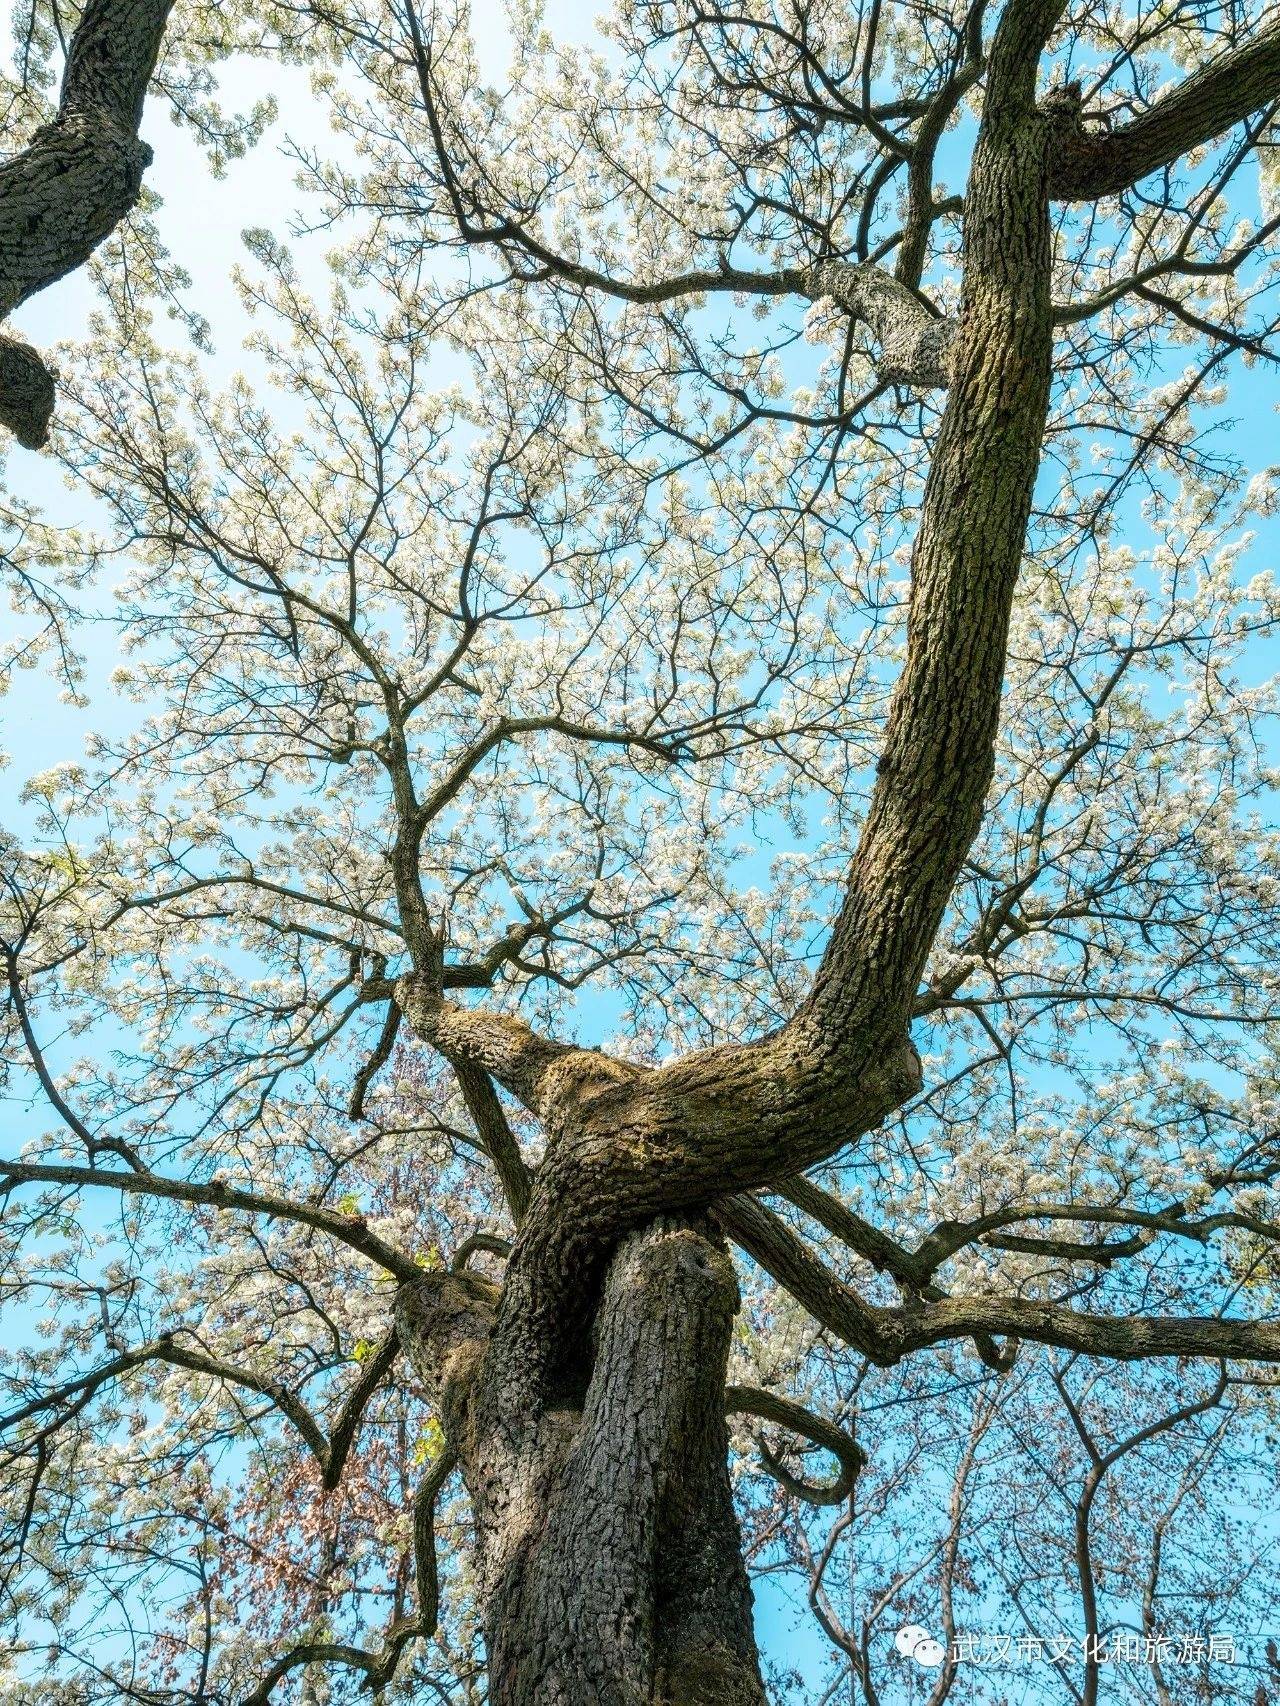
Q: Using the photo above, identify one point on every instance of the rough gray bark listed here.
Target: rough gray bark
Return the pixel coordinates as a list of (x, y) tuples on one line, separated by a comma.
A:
[(73, 183), (915, 344), (609, 1549)]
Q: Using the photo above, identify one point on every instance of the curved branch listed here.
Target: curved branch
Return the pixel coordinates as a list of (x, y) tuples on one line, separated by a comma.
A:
[(938, 752), (886, 1335), (165, 1349), (786, 1413), (951, 1236), (505, 1047), (345, 1228), (474, 1244), (915, 1269)]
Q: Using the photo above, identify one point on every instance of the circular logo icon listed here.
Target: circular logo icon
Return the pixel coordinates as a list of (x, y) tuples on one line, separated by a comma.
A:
[(916, 1643)]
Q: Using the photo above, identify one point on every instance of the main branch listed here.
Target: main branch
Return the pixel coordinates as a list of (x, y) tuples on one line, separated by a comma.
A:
[(73, 183), (887, 1334), (1206, 105)]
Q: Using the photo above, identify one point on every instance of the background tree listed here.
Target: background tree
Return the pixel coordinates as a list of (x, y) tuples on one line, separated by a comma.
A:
[(678, 475)]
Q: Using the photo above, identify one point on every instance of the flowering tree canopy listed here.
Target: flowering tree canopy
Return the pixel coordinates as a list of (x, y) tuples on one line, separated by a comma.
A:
[(669, 976)]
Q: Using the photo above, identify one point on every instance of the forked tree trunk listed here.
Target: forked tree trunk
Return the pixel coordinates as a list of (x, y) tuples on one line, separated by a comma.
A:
[(586, 1406), (610, 1556)]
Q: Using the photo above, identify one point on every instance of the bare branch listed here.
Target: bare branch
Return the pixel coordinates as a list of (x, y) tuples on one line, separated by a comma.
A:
[(347, 1229), (887, 1334), (786, 1413)]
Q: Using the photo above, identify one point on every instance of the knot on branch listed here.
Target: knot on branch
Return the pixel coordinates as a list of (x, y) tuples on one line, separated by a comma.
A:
[(546, 1076), (676, 1258), (64, 194), (26, 393), (443, 1321), (1064, 104), (915, 342), (422, 1003)]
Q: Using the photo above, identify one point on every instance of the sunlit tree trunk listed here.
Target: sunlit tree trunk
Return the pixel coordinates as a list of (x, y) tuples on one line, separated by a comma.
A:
[(587, 1403), (610, 1553)]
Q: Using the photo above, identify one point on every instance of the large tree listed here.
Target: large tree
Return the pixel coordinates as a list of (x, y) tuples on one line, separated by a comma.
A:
[(702, 759)]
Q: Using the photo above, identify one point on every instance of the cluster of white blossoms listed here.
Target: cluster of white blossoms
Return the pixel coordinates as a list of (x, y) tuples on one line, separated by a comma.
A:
[(587, 601)]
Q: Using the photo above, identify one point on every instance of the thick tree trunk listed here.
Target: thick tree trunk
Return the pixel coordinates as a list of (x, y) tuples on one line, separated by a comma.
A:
[(611, 1566), (586, 1404)]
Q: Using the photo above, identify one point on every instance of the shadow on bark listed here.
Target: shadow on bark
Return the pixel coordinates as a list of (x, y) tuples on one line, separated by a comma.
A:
[(611, 1560)]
